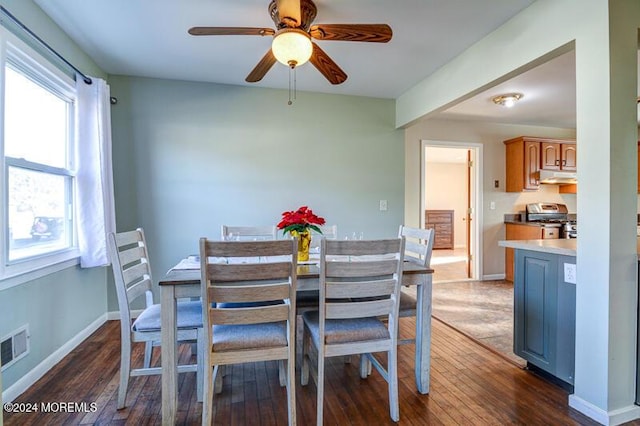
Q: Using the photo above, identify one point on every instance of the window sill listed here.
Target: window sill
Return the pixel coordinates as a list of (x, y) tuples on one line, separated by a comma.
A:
[(39, 272)]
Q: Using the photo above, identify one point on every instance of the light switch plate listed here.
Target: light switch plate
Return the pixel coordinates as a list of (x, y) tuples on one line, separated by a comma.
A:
[(570, 273), (383, 205)]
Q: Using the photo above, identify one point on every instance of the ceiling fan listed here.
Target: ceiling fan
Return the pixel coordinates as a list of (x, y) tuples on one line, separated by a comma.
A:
[(292, 43)]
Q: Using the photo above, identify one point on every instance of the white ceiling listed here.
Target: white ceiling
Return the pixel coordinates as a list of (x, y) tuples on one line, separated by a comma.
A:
[(150, 39)]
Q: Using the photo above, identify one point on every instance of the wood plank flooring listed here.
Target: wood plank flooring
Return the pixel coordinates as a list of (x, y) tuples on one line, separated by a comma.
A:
[(470, 385)]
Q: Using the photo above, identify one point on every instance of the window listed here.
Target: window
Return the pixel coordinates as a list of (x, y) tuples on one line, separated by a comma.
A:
[(38, 168)]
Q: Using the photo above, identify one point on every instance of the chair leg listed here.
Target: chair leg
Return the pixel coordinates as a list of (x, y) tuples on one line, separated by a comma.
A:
[(320, 387), (304, 373), (365, 366), (200, 361), (148, 351), (207, 397), (392, 371), (125, 368), (217, 378), (282, 373), (291, 386)]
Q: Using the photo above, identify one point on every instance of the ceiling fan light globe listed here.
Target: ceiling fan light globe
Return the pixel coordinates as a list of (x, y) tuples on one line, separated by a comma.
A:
[(292, 46)]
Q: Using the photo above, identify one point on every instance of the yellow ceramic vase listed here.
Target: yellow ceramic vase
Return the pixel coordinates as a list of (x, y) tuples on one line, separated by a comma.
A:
[(304, 241)]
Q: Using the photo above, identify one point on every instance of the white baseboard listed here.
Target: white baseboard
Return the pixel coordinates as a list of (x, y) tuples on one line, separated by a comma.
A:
[(115, 315), (493, 277), (607, 418), (41, 369)]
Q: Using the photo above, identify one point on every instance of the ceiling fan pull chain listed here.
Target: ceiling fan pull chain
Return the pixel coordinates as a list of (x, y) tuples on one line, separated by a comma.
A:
[(290, 71)]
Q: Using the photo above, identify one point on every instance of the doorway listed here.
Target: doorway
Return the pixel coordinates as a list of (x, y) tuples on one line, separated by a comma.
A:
[(450, 205)]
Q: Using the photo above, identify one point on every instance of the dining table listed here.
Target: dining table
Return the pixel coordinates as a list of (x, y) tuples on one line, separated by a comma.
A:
[(183, 281)]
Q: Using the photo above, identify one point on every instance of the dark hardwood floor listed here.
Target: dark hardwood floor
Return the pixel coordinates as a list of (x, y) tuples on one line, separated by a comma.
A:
[(469, 385)]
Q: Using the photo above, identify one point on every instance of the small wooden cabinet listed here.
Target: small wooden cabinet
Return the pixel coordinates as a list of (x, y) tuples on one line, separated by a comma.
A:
[(558, 156), (441, 221), (526, 156)]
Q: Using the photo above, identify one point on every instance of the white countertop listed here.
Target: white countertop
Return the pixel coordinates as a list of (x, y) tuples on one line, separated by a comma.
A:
[(565, 247)]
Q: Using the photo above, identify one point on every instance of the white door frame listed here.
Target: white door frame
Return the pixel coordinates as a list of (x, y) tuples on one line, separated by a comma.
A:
[(476, 196)]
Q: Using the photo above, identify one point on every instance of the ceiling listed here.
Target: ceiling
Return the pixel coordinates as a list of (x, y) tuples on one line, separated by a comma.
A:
[(150, 39)]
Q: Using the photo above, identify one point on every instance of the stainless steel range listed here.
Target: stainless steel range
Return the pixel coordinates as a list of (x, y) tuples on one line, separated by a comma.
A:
[(554, 219)]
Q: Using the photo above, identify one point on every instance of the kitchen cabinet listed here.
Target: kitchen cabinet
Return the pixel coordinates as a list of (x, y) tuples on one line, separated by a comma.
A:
[(526, 156), (516, 231), (523, 164), (558, 156), (441, 221), (544, 313)]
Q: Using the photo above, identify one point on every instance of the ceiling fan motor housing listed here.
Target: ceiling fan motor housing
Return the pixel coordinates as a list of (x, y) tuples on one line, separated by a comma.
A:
[(308, 13)]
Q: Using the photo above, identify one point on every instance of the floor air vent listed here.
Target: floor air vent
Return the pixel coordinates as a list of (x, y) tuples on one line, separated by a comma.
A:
[(14, 346)]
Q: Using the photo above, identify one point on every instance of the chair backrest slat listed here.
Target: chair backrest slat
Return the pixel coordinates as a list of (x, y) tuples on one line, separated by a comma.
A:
[(131, 255), (135, 273), (361, 268), (247, 249), (249, 293), (138, 289), (372, 308), (253, 315), (358, 289), (248, 271)]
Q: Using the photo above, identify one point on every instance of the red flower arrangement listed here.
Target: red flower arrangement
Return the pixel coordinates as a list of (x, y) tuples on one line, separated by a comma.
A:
[(300, 220)]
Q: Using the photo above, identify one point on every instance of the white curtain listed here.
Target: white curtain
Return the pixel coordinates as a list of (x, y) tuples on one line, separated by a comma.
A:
[(95, 210)]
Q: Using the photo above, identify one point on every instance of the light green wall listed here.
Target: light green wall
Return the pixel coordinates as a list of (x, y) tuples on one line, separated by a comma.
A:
[(190, 157), (61, 305)]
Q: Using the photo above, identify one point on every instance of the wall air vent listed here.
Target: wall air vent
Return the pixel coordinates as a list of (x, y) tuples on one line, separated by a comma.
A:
[(14, 346)]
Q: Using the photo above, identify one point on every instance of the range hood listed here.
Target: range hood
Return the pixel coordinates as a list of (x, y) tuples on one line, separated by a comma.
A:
[(554, 177)]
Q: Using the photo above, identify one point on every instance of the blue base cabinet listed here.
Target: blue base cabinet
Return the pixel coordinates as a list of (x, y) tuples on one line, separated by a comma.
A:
[(544, 313)]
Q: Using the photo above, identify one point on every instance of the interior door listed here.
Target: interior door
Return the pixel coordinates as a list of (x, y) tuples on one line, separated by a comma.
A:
[(469, 212)]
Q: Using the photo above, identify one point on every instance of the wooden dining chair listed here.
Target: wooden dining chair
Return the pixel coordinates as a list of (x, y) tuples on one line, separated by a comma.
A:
[(358, 284), (249, 233), (248, 310), (309, 299), (418, 249), (133, 280)]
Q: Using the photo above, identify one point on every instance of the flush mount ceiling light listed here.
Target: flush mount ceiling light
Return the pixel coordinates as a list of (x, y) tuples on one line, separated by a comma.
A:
[(292, 47), (507, 100)]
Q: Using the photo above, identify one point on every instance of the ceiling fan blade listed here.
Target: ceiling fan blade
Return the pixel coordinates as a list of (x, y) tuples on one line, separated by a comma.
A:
[(261, 69), (377, 33), (326, 66), (200, 31), (289, 12)]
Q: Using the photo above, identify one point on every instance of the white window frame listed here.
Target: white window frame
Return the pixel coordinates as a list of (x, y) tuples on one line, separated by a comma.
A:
[(24, 270)]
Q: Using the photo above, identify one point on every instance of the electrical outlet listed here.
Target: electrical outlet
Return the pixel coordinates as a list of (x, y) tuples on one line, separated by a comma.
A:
[(492, 205), (383, 205), (570, 273)]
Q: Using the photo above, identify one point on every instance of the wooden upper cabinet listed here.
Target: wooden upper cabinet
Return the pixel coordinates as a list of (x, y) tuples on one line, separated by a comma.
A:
[(558, 156), (550, 156), (523, 164), (569, 157), (526, 156)]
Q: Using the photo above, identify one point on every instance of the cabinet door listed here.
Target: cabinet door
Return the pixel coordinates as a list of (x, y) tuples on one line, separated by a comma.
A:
[(569, 157), (535, 308), (550, 156), (531, 165)]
